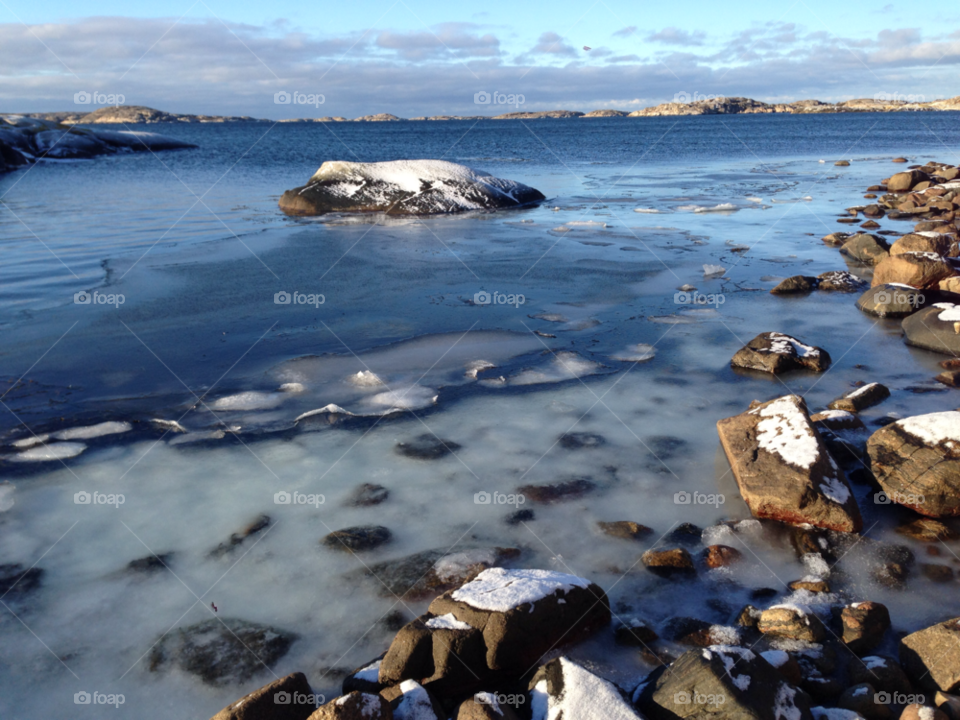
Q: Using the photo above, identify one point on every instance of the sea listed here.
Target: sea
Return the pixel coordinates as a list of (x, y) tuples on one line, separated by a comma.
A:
[(248, 363)]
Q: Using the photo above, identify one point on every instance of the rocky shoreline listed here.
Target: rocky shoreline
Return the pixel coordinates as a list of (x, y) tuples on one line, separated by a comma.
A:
[(137, 114)]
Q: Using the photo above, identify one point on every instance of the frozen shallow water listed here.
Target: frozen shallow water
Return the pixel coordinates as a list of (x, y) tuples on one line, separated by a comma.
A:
[(606, 373)]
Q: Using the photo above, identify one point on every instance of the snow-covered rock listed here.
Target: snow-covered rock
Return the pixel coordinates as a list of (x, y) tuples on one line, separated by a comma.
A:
[(563, 690)]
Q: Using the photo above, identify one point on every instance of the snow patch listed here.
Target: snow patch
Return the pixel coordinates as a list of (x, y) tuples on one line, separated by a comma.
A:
[(934, 428), (446, 622), (784, 432), (500, 590)]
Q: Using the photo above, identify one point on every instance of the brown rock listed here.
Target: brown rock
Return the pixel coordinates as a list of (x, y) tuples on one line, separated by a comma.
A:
[(815, 585), (842, 163), (930, 656), (840, 281), (634, 633), (675, 561), (950, 284), (913, 269), (861, 398), (917, 462), (557, 492), (903, 181), (749, 617), (775, 353), (357, 539), (625, 529), (795, 284), (927, 530), (913, 243), (864, 625), (793, 623), (837, 238), (783, 469), (289, 698), (866, 248), (870, 225), (355, 706), (936, 573), (487, 706), (899, 160), (860, 699), (884, 673), (915, 711), (410, 654), (717, 556)]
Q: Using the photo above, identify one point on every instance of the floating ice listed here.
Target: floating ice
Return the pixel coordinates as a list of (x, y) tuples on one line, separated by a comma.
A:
[(30, 441), (251, 400), (365, 378), (500, 590), (192, 437), (476, 366), (563, 366), (713, 270), (6, 495), (293, 387), (586, 223), (641, 352), (54, 451), (722, 207), (92, 431), (650, 211), (412, 397)]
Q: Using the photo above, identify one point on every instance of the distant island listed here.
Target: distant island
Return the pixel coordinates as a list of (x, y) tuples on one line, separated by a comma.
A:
[(138, 114)]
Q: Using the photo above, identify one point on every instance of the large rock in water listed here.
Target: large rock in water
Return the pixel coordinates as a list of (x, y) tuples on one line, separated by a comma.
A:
[(917, 462), (404, 187), (931, 656), (289, 698), (919, 270), (935, 328), (722, 683), (775, 352), (563, 690), (783, 468)]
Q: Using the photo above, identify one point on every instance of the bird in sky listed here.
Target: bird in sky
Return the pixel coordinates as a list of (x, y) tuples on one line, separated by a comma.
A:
[(587, 48)]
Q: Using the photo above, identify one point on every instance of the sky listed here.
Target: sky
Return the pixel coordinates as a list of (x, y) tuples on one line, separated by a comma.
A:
[(287, 59)]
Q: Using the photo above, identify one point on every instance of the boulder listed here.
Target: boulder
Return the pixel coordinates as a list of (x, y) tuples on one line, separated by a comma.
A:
[(866, 248), (837, 238), (884, 673), (523, 614), (365, 678), (289, 698), (624, 529), (717, 556), (490, 706), (864, 625), (783, 469), (775, 353), (930, 656), (404, 187), (862, 398), (927, 530), (427, 447), (355, 706), (922, 243), (903, 181), (917, 462), (358, 539), (796, 284), (840, 281), (916, 711), (564, 690), (634, 633), (257, 525), (919, 270), (950, 284), (414, 702), (892, 300), (792, 621), (668, 563), (722, 683), (860, 699), (557, 492), (935, 328), (222, 650)]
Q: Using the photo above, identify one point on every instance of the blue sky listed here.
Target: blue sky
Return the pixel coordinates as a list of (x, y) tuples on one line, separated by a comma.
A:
[(414, 58)]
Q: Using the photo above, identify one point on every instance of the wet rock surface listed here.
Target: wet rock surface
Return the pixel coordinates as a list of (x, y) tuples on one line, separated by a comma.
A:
[(358, 539), (775, 353)]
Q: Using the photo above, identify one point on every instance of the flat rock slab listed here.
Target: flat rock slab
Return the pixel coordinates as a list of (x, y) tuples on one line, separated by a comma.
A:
[(783, 468), (861, 398), (775, 353), (917, 462), (931, 658), (894, 301), (404, 187), (935, 329)]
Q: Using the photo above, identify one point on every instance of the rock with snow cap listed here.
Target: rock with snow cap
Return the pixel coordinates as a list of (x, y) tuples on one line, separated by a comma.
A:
[(792, 621), (930, 656), (783, 468), (722, 683), (355, 706), (775, 352), (861, 700), (525, 613), (861, 398), (919, 270), (884, 673), (917, 462), (565, 690), (916, 711), (923, 242), (404, 187), (864, 625), (935, 328), (414, 702), (264, 703), (840, 281)]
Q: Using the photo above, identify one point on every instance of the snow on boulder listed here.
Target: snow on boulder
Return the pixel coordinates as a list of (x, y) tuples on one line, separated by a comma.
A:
[(917, 462), (783, 468), (355, 706), (523, 614), (404, 187), (721, 683), (775, 353), (563, 690)]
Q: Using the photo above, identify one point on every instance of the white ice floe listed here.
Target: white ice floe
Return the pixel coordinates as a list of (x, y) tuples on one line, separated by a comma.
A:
[(722, 207), (30, 441), (563, 366), (415, 703), (330, 409), (169, 425), (192, 437), (476, 366), (293, 387), (412, 397), (586, 223), (641, 352), (500, 590), (92, 431), (53, 451), (754, 199), (585, 696), (446, 622), (713, 270), (650, 211), (784, 432), (251, 400), (7, 489), (365, 378), (934, 428)]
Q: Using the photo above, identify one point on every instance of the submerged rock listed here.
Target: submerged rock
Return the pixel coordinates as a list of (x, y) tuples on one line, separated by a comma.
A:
[(404, 187), (775, 353), (260, 523), (796, 284), (783, 469), (221, 651), (556, 492), (917, 462), (17, 581), (427, 447), (624, 529), (367, 495), (564, 690), (358, 539)]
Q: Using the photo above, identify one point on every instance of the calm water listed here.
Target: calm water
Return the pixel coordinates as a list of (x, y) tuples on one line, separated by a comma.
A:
[(194, 242)]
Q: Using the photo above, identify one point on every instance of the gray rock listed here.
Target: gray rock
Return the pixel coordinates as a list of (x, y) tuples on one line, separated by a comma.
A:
[(840, 281), (367, 495), (866, 248), (925, 330), (355, 706), (358, 539), (893, 301), (796, 284)]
